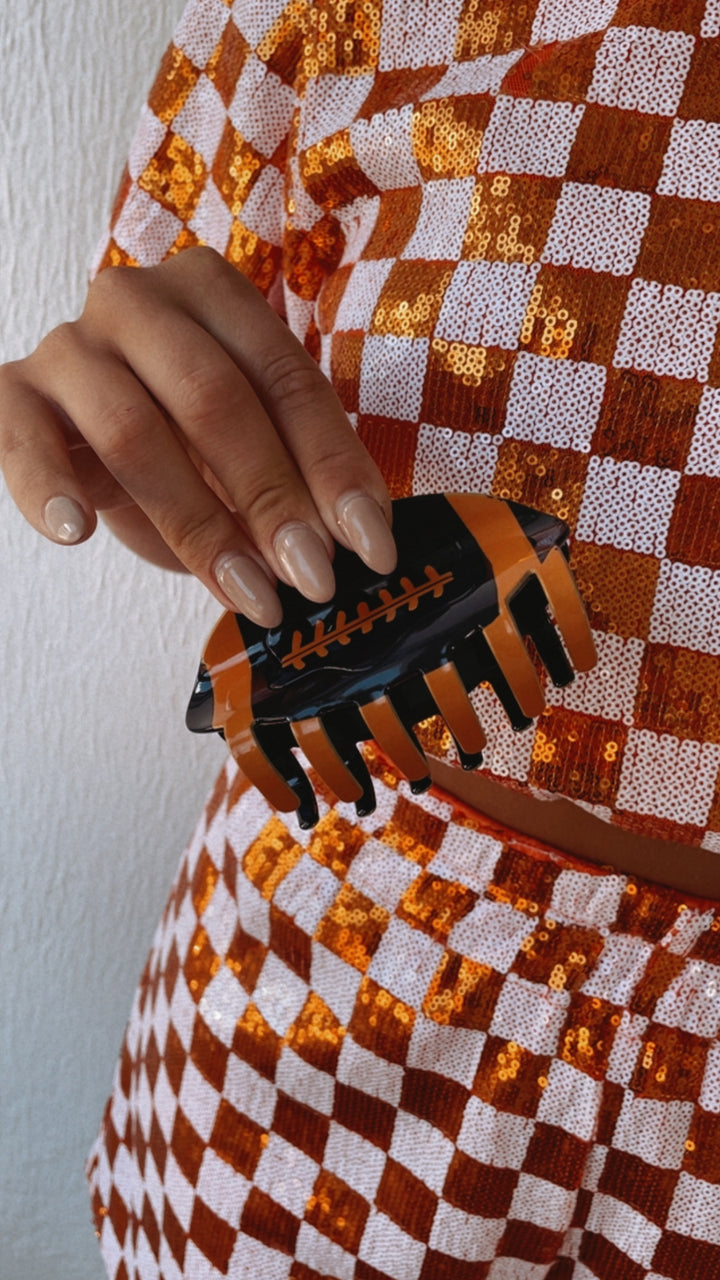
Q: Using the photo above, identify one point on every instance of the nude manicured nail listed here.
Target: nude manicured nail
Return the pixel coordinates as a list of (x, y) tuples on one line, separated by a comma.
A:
[(302, 554), (249, 588), (363, 522), (65, 519)]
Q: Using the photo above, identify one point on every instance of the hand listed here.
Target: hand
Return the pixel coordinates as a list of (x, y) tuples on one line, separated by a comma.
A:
[(181, 408)]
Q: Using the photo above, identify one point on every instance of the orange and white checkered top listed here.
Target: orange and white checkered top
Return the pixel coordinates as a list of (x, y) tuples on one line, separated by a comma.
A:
[(498, 229)]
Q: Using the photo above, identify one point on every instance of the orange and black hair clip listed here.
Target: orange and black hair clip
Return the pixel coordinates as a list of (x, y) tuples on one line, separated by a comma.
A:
[(476, 578)]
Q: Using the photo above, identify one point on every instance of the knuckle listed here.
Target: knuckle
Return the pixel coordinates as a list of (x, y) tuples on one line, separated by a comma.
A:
[(190, 534), (292, 380), (123, 429), (206, 400), (267, 501)]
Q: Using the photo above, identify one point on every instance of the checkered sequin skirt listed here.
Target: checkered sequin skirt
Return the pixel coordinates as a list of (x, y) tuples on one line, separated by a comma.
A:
[(414, 1046)]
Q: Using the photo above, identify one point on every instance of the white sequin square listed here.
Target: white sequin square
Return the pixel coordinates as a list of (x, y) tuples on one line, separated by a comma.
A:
[(200, 29), (144, 230), (304, 1082), (306, 893), (323, 1255), (668, 777), (704, 455), (392, 376), (263, 212), (442, 220), (528, 136), (286, 1174), (492, 933), (695, 1209), (556, 20), (254, 18), (248, 1092), (653, 1130), (198, 1100), (279, 994), (494, 1137), (222, 1003), (405, 962), (587, 899), (543, 1203), (368, 1072), (262, 107), (389, 1249), (686, 610), (530, 1014), (421, 1148), (465, 1236), (555, 402), (221, 1188), (507, 753), (618, 969), (202, 119), (691, 165), (627, 1044), (627, 505), (358, 1162), (692, 1001), (485, 304), (448, 461), (668, 330), (212, 219), (449, 1051), (571, 1100), (360, 297), (597, 228), (418, 33), (483, 74), (627, 1229), (609, 690), (641, 69), (383, 148)]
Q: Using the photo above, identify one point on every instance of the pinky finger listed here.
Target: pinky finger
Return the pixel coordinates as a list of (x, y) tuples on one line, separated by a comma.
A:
[(35, 459)]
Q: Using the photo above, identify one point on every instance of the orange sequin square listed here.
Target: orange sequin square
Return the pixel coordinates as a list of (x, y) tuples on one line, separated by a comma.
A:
[(381, 1022), (256, 1042), (259, 260), (245, 958), (574, 313), (646, 911), (463, 993), (692, 536), (395, 222), (316, 1034), (281, 49), (345, 362), (237, 1139), (310, 256), (552, 480), (494, 27), (201, 964), (447, 134), (353, 927), (523, 881), (466, 387), (662, 969), (679, 693), (406, 1200), (646, 419), (702, 1148), (175, 81), (204, 878), (114, 256), (510, 216), (331, 174), (337, 1211), (618, 587), (670, 1064), (342, 38), (270, 857), (414, 832), (335, 842), (328, 301), (577, 756), (209, 1054), (175, 177), (227, 62), (556, 73), (394, 89), (588, 1034), (561, 956), (411, 298), (700, 99), (435, 905), (681, 244), (236, 167), (622, 149), (669, 16), (510, 1077)]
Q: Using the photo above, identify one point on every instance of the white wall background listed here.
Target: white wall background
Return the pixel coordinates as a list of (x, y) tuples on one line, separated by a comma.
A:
[(100, 783)]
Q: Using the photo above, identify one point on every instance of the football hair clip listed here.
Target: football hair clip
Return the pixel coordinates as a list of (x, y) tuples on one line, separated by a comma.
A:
[(474, 580)]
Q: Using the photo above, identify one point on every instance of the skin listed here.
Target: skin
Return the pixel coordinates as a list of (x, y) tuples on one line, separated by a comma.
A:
[(214, 438)]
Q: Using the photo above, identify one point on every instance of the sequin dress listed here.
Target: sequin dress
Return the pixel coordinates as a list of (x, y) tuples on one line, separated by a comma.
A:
[(418, 1046)]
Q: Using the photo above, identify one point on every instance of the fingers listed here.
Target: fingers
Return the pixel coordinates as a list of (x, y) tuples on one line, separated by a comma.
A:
[(189, 405), (36, 463)]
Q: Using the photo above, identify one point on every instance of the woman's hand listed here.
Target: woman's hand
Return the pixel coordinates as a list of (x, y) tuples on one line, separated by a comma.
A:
[(181, 408)]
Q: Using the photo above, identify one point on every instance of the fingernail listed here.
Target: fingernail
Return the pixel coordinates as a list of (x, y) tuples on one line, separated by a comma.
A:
[(249, 588), (65, 520), (302, 555), (363, 522)]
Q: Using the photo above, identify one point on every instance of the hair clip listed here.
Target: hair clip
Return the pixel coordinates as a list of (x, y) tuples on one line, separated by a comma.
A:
[(474, 581)]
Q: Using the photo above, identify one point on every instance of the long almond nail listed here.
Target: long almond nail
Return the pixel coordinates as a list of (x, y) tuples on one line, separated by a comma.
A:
[(65, 519), (249, 588), (363, 522), (302, 555)]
